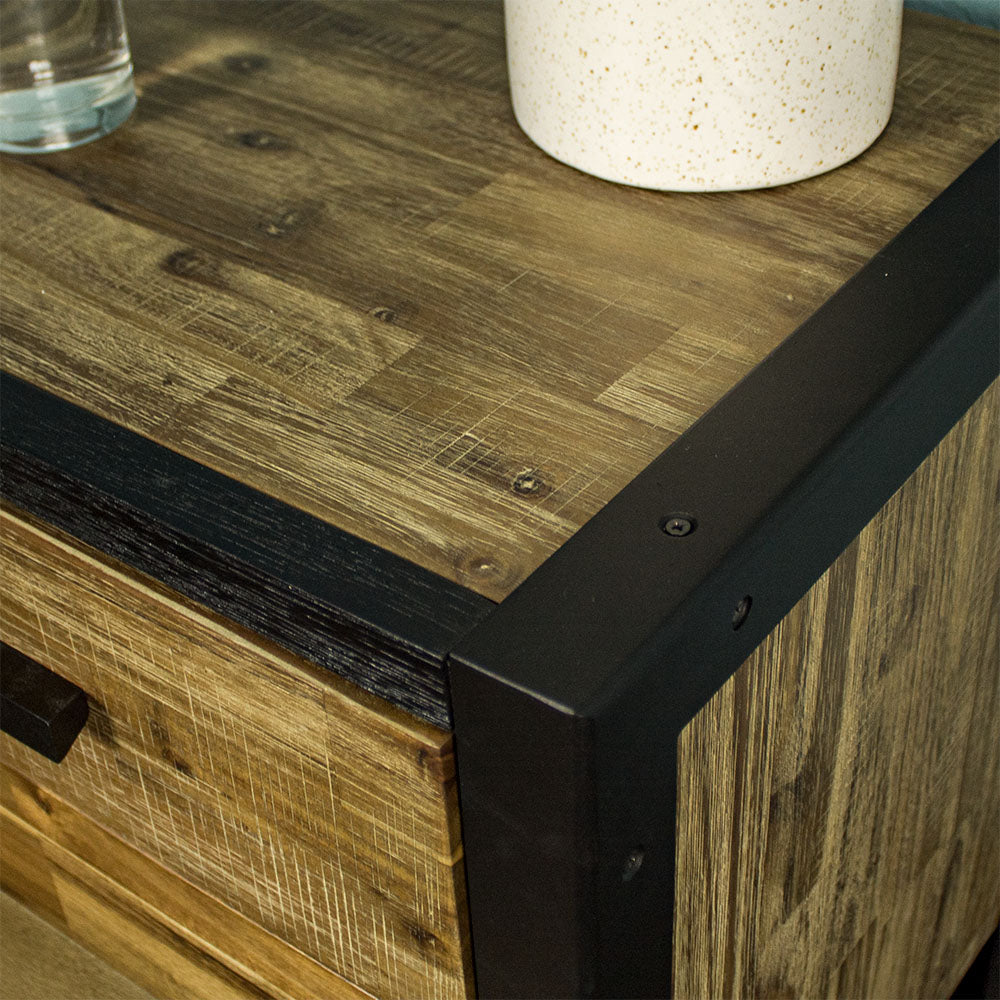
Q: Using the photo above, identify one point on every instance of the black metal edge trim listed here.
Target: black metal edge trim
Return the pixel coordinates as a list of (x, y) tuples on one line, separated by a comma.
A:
[(381, 622), (569, 699)]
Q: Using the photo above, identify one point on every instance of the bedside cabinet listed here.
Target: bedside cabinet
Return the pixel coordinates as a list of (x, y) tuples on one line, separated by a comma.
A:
[(470, 577)]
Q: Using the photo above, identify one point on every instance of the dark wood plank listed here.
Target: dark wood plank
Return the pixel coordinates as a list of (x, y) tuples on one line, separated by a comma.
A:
[(838, 797), (323, 260)]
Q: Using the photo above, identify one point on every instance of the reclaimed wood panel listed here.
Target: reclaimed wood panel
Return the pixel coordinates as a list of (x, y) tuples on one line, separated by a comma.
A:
[(69, 970), (180, 942), (323, 259), (838, 797), (320, 814), (93, 910)]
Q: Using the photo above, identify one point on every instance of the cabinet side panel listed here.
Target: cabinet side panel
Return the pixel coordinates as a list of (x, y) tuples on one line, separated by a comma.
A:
[(838, 796), (322, 815)]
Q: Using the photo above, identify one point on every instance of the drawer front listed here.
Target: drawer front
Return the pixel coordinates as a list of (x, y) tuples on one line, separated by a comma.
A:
[(326, 817), (159, 930)]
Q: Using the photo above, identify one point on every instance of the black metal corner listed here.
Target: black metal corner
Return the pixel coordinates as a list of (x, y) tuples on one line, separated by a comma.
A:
[(569, 699)]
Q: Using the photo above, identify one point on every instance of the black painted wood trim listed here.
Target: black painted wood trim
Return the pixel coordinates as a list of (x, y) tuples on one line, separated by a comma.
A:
[(569, 699), (378, 620)]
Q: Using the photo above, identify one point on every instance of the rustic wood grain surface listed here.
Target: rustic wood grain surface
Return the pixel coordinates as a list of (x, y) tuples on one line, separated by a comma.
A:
[(316, 812), (142, 919), (111, 923), (838, 798), (69, 970), (323, 259)]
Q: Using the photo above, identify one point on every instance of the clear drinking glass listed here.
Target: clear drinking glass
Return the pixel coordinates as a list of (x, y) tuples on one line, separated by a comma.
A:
[(65, 73)]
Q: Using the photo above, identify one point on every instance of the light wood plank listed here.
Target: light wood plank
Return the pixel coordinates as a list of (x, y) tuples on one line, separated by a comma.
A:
[(98, 914), (39, 962), (323, 259), (320, 814), (168, 935), (838, 797)]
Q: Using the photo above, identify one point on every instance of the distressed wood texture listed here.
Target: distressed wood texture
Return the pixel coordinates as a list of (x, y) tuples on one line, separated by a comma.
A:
[(154, 927), (322, 815), (69, 969), (838, 797), (322, 259)]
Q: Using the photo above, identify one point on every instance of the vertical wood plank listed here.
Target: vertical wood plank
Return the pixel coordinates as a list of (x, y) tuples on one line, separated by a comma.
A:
[(838, 797)]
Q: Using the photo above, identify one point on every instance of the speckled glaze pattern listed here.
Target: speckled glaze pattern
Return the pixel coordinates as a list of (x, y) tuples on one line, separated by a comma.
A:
[(703, 95)]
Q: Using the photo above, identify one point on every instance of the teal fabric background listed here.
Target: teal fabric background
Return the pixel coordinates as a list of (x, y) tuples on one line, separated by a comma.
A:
[(985, 12)]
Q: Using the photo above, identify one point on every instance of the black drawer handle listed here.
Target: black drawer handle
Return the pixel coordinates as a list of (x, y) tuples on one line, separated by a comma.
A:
[(38, 707)]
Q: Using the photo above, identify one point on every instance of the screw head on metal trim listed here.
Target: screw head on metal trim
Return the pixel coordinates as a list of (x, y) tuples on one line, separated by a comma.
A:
[(678, 525), (741, 612), (632, 864)]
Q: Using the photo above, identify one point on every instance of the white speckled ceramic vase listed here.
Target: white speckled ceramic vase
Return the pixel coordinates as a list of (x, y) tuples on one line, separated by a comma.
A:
[(703, 95)]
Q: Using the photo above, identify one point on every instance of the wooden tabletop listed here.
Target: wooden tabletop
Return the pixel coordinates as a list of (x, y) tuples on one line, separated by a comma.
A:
[(323, 260)]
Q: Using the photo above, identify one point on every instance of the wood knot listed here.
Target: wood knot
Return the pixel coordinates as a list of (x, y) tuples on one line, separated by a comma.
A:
[(177, 763), (158, 731), (884, 665), (483, 570), (100, 724), (483, 566), (423, 937), (186, 263), (285, 221), (438, 767), (384, 314), (282, 223), (161, 737), (262, 139), (246, 63), (529, 484)]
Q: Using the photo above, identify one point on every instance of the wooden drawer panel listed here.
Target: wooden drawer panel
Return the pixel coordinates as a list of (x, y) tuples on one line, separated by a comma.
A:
[(156, 928), (325, 817)]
